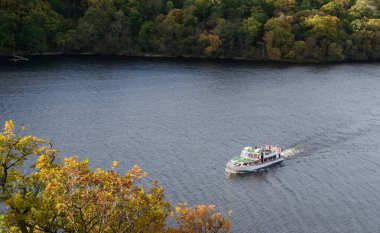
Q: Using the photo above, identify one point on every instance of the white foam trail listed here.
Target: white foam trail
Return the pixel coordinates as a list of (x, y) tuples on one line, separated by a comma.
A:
[(291, 152)]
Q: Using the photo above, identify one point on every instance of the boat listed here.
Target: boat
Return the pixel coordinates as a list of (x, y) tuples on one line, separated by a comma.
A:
[(255, 158), (16, 58)]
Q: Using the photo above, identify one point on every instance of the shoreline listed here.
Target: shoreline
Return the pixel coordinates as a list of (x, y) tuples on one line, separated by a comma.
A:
[(5, 57)]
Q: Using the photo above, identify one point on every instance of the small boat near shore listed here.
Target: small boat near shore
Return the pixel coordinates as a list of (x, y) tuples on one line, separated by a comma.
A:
[(16, 58), (255, 158)]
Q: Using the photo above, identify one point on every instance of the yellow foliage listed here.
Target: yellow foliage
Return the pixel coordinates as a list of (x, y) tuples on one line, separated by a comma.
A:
[(213, 43), (115, 164), (9, 127), (373, 24), (96, 201), (284, 5), (74, 198), (199, 219)]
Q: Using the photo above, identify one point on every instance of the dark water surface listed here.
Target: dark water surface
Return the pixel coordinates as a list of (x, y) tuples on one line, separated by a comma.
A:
[(182, 120)]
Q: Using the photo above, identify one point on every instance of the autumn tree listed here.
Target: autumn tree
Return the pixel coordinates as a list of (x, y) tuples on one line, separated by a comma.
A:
[(336, 7), (72, 197), (212, 43), (279, 38), (199, 219), (365, 8), (176, 31), (22, 193), (326, 30), (284, 5)]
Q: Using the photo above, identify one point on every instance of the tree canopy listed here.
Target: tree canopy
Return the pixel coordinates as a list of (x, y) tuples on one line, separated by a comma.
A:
[(72, 197), (288, 30)]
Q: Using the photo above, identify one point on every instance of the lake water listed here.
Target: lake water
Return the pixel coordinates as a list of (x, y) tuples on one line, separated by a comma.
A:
[(181, 120)]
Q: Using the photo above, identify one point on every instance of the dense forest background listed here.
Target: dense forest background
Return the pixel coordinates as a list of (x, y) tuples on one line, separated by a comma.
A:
[(287, 30)]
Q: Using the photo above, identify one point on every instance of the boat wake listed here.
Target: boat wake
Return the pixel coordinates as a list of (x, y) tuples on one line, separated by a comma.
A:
[(292, 151)]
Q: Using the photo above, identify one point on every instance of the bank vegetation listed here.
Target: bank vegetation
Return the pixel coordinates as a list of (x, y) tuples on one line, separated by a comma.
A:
[(277, 30)]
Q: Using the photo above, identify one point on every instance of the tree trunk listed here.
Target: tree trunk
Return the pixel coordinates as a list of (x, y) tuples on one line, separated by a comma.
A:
[(23, 228)]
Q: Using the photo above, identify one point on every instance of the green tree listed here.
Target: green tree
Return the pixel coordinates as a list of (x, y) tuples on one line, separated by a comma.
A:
[(326, 30), (7, 31), (134, 22), (32, 38), (284, 5), (336, 7), (147, 39), (252, 29), (92, 27), (39, 26), (279, 38), (66, 40), (176, 31), (365, 8)]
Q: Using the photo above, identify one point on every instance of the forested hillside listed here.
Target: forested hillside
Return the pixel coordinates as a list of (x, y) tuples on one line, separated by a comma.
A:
[(287, 30)]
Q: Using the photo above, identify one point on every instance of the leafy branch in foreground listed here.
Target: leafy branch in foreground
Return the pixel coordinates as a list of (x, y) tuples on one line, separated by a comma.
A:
[(71, 197)]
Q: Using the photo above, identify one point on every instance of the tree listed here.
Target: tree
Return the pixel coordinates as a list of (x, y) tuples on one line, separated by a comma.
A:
[(103, 201), (365, 45), (92, 27), (336, 7), (147, 40), (212, 42), (21, 193), (284, 5), (38, 27), (14, 151), (230, 33), (365, 8), (312, 4), (7, 30), (72, 197), (134, 22), (203, 8), (66, 40), (176, 31), (279, 38), (325, 29), (259, 14), (335, 52), (199, 219), (252, 28)]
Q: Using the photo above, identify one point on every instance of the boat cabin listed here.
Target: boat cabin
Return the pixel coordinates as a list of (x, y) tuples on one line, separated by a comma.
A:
[(258, 153), (251, 153)]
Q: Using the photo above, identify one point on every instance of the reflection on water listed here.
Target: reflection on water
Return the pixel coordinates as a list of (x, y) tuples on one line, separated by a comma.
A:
[(182, 120)]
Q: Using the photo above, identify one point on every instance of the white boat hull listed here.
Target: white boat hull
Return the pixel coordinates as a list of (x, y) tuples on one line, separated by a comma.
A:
[(251, 168)]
